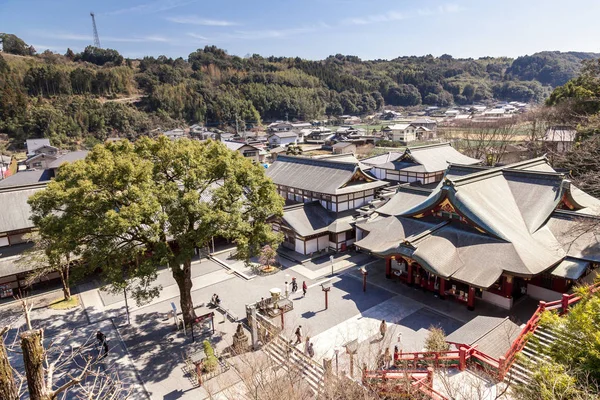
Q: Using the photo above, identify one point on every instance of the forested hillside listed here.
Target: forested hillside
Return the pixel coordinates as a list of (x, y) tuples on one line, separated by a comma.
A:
[(74, 96)]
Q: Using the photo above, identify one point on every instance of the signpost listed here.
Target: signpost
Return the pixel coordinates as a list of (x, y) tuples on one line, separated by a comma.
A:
[(201, 319)]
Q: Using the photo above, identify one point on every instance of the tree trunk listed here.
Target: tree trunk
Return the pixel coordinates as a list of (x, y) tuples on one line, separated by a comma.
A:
[(64, 278), (183, 277), (33, 358), (8, 389)]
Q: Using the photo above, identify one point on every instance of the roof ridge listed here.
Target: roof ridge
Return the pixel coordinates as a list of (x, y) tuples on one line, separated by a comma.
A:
[(413, 238), (14, 188), (308, 160), (495, 171), (427, 146)]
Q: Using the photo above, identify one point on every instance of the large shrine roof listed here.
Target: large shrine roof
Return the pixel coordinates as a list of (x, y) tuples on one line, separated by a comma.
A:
[(505, 220)]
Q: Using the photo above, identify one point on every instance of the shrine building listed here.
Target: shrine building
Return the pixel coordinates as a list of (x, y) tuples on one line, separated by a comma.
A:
[(488, 234)]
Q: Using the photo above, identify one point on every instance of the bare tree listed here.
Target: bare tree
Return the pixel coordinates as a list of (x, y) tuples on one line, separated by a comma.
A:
[(485, 140), (8, 386)]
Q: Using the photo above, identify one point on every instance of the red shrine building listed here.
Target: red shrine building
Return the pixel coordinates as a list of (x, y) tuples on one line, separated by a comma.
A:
[(488, 234)]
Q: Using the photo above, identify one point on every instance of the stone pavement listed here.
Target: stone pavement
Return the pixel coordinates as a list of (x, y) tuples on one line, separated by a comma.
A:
[(100, 305)]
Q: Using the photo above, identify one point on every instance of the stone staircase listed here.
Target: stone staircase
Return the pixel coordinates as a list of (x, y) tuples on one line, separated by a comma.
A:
[(536, 350), (295, 363)]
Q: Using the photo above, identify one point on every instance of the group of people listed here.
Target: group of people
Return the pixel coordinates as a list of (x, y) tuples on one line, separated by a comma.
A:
[(215, 300), (309, 350), (295, 286)]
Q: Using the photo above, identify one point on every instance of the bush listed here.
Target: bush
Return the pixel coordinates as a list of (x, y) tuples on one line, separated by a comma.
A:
[(210, 362)]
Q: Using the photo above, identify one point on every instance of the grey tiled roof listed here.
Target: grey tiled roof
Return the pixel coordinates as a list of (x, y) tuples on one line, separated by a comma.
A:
[(68, 157), (404, 200), (27, 177), (437, 157), (318, 175), (492, 335), (312, 218), (15, 213), (570, 268), (34, 144)]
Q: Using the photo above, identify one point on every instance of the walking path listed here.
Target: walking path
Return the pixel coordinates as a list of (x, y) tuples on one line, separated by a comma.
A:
[(98, 309)]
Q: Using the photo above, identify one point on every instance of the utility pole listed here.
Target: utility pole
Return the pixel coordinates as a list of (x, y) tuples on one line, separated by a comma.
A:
[(236, 125), (286, 117), (96, 38)]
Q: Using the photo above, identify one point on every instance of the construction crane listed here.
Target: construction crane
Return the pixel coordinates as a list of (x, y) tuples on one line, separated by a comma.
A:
[(96, 38)]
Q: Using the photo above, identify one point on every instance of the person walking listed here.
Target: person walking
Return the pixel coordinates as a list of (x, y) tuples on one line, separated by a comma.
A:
[(306, 345), (304, 288), (294, 285), (396, 355), (311, 350), (298, 335), (382, 329)]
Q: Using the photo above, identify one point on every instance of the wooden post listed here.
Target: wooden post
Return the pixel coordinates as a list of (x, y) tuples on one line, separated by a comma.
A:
[(326, 299), (501, 367), (365, 281), (462, 358), (388, 268), (508, 286), (565, 303), (542, 305), (471, 299), (430, 376), (442, 288), (282, 318)]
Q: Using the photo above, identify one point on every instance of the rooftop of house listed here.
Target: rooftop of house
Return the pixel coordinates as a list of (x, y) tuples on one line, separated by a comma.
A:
[(27, 177), (328, 176), (34, 144), (287, 134), (71, 156), (560, 134), (17, 215), (341, 145)]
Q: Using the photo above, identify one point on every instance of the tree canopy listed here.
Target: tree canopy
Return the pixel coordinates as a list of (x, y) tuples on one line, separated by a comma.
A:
[(136, 207)]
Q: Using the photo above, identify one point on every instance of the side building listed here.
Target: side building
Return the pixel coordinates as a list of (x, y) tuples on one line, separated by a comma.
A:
[(424, 164), (322, 196)]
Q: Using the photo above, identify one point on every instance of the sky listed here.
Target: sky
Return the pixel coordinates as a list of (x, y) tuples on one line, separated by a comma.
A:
[(311, 29)]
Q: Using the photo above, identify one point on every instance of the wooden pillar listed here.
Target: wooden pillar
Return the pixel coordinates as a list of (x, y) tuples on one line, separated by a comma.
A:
[(410, 274), (508, 286), (501, 367), (430, 376), (565, 303), (462, 358), (471, 299), (388, 267), (442, 288)]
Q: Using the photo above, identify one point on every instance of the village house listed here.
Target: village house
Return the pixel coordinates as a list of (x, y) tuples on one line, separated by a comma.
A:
[(487, 234), (424, 164), (69, 157), (4, 166), (403, 133), (252, 152), (280, 126), (282, 138), (344, 148), (319, 135), (559, 139), (175, 134), (324, 195)]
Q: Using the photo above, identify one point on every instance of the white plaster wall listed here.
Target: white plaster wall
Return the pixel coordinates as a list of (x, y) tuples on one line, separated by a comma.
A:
[(311, 246), (359, 234), (299, 246), (498, 300), (343, 206), (3, 241), (323, 242), (541, 293)]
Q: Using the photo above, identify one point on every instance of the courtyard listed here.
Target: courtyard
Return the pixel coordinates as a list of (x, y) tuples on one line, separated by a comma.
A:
[(150, 351)]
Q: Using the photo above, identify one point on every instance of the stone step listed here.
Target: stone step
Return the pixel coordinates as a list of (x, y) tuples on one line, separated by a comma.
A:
[(294, 362), (518, 374)]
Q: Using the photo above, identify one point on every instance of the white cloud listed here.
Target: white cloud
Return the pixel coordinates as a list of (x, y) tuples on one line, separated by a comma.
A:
[(194, 20), (66, 36), (273, 33), (152, 7), (371, 19), (397, 15), (196, 36)]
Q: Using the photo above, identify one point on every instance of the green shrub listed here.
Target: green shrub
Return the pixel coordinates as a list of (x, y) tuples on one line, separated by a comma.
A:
[(210, 362)]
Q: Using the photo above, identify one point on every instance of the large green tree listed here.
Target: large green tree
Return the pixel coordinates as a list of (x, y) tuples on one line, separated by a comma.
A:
[(149, 204)]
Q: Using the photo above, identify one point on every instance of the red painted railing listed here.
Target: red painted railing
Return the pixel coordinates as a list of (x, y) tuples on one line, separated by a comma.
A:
[(458, 359), (531, 326)]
